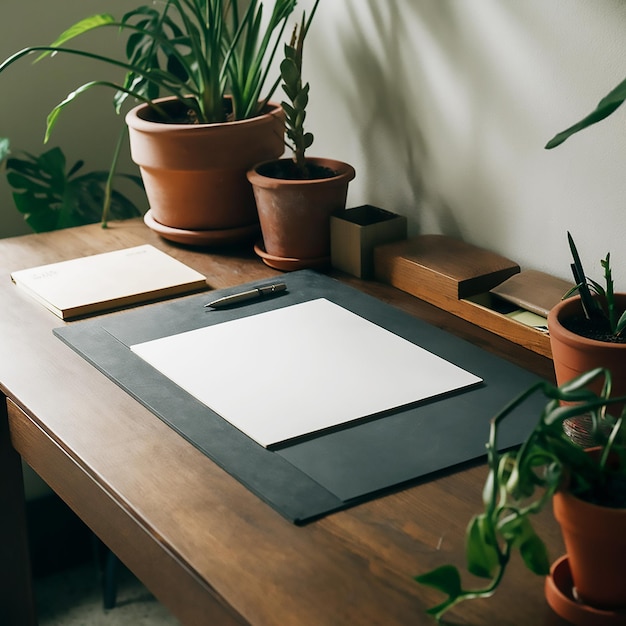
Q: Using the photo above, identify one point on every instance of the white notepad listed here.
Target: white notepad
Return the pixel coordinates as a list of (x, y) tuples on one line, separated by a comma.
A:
[(300, 369), (108, 280)]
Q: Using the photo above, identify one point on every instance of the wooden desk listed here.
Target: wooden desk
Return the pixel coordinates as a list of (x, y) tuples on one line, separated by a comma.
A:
[(210, 550)]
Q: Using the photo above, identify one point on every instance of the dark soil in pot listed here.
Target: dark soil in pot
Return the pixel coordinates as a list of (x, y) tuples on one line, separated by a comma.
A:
[(179, 113), (608, 489), (287, 170), (612, 494), (596, 328)]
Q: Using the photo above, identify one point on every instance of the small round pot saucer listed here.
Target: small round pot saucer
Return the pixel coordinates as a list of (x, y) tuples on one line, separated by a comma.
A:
[(216, 237), (286, 264), (559, 590)]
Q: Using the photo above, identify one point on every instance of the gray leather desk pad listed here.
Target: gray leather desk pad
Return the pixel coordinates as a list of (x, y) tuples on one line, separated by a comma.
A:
[(311, 477)]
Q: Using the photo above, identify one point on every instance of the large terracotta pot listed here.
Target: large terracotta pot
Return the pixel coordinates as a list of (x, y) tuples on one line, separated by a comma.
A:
[(295, 214), (595, 541), (573, 355), (195, 174)]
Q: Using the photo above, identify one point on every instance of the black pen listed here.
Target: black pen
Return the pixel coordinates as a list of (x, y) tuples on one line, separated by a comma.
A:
[(250, 294)]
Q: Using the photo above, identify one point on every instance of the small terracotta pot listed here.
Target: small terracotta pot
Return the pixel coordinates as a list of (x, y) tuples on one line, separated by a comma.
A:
[(595, 540), (195, 174), (573, 355), (295, 214)]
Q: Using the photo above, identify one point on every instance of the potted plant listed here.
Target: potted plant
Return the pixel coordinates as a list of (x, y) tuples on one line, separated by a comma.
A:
[(587, 331), (588, 484), (51, 196), (211, 62), (296, 197)]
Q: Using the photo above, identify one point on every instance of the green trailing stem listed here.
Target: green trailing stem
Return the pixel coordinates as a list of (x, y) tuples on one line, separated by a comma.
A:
[(522, 482)]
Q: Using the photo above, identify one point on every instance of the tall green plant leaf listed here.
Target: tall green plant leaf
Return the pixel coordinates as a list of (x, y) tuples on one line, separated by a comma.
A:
[(610, 103)]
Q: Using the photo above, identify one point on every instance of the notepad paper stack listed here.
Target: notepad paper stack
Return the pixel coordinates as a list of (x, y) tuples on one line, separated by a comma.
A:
[(109, 280)]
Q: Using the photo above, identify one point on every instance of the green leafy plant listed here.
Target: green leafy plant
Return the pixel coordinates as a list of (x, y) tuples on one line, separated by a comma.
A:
[(52, 196), (195, 50), (600, 309), (298, 94), (521, 482), (610, 103)]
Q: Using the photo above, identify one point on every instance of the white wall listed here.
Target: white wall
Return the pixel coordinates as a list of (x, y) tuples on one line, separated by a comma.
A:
[(443, 107)]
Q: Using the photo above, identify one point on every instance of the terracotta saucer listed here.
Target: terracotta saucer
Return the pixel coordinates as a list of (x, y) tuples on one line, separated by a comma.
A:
[(559, 591), (202, 237), (289, 264)]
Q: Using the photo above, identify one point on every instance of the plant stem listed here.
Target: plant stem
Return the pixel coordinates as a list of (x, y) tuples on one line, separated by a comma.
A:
[(108, 188)]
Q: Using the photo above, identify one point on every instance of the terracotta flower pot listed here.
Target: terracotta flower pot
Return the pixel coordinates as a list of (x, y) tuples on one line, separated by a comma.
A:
[(573, 354), (295, 214), (195, 174), (595, 540)]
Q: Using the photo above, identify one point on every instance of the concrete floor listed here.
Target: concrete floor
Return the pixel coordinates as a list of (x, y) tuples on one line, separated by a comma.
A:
[(73, 597)]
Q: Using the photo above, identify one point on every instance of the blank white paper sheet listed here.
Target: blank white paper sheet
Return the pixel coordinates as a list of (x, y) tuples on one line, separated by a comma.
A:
[(300, 369)]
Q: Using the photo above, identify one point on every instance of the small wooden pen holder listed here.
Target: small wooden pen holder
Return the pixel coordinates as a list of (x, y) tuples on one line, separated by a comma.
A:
[(354, 233)]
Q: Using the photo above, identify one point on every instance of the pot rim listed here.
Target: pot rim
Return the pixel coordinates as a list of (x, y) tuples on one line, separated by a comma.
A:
[(345, 175), (566, 494), (134, 120), (556, 328)]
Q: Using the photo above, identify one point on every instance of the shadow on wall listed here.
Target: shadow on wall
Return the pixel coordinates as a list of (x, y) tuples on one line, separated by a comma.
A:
[(387, 118)]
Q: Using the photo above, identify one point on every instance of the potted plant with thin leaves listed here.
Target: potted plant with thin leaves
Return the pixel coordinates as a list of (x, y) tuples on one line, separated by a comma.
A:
[(587, 330), (588, 489), (200, 69), (296, 197)]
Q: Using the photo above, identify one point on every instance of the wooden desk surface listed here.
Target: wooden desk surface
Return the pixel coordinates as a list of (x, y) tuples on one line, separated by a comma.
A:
[(210, 550)]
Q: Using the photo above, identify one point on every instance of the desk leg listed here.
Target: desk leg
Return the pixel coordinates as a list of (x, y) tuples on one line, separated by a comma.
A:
[(17, 601)]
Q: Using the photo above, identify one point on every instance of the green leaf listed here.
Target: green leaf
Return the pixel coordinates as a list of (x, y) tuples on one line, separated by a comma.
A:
[(299, 121), (291, 53), (445, 578), (54, 114), (53, 162), (480, 547), (513, 528), (520, 533), (289, 110), (612, 101), (20, 182), (621, 323), (289, 72), (302, 99), (566, 390), (81, 27), (290, 90), (535, 554)]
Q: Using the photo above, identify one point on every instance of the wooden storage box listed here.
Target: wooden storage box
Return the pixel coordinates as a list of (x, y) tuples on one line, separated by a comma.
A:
[(457, 277)]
